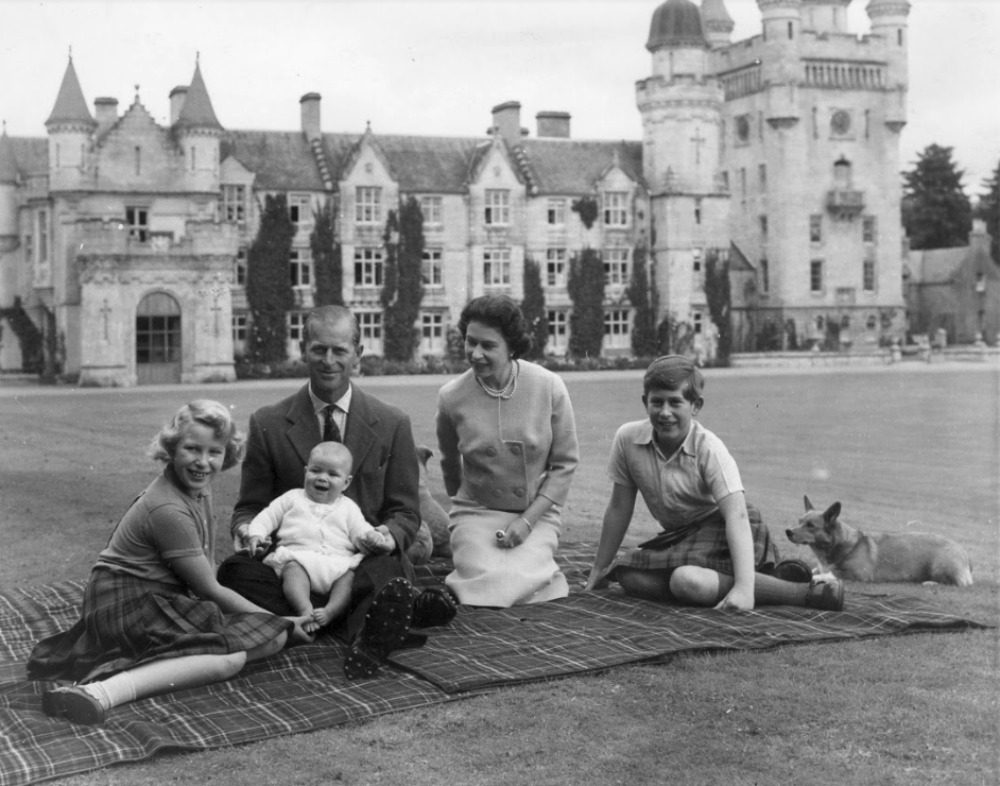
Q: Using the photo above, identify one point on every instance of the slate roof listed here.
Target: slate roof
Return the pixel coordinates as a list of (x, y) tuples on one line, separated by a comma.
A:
[(572, 166), (197, 111), (70, 106), (30, 154), (938, 265), (282, 160), (8, 164)]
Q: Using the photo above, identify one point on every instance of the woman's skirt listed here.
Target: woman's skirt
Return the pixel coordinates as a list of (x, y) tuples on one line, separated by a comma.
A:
[(487, 574), (706, 547), (127, 621)]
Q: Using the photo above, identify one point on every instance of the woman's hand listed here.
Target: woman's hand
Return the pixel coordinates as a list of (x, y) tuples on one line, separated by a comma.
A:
[(515, 534), (598, 579), (737, 599)]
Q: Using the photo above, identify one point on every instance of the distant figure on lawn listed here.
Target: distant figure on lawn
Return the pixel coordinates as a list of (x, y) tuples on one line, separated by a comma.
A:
[(154, 618), (330, 407), (508, 453), (321, 537), (714, 545)]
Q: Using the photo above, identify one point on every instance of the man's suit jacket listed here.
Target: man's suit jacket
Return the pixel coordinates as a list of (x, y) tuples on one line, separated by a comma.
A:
[(380, 438)]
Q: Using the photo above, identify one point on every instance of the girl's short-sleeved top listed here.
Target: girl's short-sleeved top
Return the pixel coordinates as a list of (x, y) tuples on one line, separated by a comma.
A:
[(164, 523), (677, 489)]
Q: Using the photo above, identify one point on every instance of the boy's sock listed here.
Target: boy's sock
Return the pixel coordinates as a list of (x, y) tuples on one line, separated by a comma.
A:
[(115, 690), (769, 591)]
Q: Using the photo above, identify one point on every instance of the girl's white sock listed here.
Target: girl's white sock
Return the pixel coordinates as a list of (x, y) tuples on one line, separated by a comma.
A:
[(115, 690)]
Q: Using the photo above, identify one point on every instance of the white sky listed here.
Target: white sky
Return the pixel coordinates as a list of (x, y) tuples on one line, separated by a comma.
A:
[(438, 67)]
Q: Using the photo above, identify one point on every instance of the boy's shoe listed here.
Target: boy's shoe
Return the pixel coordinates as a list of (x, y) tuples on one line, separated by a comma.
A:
[(433, 607), (72, 703), (793, 570), (826, 595), (386, 626)]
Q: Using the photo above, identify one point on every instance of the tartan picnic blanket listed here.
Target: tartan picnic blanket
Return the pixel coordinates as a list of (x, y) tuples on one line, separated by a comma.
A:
[(303, 688)]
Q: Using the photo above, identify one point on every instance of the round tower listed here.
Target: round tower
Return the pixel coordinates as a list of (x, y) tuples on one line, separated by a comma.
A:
[(198, 133), (717, 23), (781, 20), (70, 126), (889, 21), (825, 16), (8, 190)]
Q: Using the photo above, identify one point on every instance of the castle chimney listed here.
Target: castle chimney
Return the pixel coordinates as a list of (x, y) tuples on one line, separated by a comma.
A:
[(553, 124), (106, 113), (177, 96), (310, 115), (507, 120)]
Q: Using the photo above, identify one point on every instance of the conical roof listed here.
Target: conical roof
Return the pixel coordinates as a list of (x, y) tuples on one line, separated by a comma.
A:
[(8, 164), (676, 23), (197, 111), (715, 15), (71, 106)]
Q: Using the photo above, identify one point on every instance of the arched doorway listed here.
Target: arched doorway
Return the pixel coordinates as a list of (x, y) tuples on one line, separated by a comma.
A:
[(158, 340)]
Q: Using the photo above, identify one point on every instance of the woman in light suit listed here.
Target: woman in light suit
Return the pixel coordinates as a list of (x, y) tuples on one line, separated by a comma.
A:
[(508, 453)]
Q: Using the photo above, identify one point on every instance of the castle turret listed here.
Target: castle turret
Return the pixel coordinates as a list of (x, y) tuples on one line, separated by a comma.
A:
[(9, 177), (825, 16), (717, 23), (198, 132), (70, 126), (889, 22), (780, 70)]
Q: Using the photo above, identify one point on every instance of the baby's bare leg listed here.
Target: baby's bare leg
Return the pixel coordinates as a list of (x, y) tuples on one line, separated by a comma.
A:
[(336, 604), (295, 583)]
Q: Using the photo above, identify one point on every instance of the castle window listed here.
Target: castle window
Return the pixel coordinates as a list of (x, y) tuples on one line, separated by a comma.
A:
[(616, 267), (556, 213), (300, 210), (868, 225), (194, 158), (762, 176), (234, 204), (137, 220), (763, 229), (497, 207), (431, 270), (29, 249), (868, 275), (370, 325), (617, 327), (698, 321), (138, 160), (615, 208), (368, 205), (300, 264), (430, 207), (240, 268), (871, 323), (558, 320), (555, 267), (296, 327), (239, 327), (791, 31), (816, 276), (697, 210), (43, 237), (431, 331), (816, 228), (496, 267), (696, 259), (367, 266), (765, 276)]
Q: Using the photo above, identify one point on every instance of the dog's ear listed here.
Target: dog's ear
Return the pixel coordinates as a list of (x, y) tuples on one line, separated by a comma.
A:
[(809, 505), (831, 512)]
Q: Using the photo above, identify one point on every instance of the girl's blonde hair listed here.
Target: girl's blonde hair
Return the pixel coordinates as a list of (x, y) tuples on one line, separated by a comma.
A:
[(207, 413)]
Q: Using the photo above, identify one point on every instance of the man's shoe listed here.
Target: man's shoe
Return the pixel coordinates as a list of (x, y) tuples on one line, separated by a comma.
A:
[(826, 595), (74, 704), (793, 570), (386, 626), (433, 607)]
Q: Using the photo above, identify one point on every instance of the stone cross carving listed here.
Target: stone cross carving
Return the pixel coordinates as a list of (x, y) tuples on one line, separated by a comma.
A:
[(698, 140), (105, 310)]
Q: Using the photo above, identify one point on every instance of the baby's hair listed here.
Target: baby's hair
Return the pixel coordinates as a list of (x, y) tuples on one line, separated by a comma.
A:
[(674, 372), (207, 413), (341, 451)]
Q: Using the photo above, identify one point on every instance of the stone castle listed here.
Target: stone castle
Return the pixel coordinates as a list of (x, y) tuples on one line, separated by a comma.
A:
[(123, 242)]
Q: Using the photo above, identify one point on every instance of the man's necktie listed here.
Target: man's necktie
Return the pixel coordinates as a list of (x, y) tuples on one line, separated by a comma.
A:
[(331, 432)]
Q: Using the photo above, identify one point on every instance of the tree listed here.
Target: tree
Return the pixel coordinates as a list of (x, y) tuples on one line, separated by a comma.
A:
[(403, 284), (936, 211), (586, 290), (269, 283), (643, 296), (718, 295), (327, 265), (533, 308), (989, 211)]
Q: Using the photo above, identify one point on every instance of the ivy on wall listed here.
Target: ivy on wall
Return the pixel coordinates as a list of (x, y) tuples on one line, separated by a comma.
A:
[(586, 289), (29, 337), (403, 284), (587, 208), (533, 308), (328, 267), (269, 284), (718, 295), (645, 299)]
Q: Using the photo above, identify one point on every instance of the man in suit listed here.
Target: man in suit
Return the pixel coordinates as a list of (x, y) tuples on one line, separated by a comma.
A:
[(384, 603)]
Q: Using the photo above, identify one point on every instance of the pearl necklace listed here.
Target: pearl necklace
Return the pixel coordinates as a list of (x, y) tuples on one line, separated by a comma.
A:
[(508, 388)]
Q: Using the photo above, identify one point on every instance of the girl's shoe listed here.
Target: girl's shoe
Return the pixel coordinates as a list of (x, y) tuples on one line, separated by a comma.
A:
[(72, 703)]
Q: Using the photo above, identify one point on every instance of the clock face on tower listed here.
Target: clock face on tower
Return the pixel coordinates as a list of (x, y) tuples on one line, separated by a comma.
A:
[(840, 123)]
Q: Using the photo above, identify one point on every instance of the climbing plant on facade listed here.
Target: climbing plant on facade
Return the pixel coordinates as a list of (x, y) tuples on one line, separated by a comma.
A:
[(328, 267), (587, 208), (645, 300), (269, 283), (719, 297), (586, 289), (403, 284), (533, 308)]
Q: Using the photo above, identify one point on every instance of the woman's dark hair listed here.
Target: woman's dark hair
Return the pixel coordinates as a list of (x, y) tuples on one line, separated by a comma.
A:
[(500, 313)]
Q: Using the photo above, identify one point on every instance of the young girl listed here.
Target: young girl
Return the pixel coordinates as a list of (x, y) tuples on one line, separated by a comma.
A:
[(154, 618)]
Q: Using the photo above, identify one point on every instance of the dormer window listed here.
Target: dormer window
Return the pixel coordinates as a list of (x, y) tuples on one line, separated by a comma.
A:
[(615, 208), (368, 205), (497, 208)]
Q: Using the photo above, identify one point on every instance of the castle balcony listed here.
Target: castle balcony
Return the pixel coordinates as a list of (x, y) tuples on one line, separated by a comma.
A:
[(113, 238), (845, 203)]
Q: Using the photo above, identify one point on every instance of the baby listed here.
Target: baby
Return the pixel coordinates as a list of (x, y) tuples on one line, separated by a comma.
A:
[(322, 536)]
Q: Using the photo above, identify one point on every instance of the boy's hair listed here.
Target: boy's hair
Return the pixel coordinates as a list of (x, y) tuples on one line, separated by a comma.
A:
[(674, 372), (207, 413)]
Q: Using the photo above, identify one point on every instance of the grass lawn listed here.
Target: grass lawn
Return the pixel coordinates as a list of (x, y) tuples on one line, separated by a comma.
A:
[(893, 445)]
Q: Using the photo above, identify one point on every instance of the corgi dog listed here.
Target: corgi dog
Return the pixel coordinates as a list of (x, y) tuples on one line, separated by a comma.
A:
[(849, 553)]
